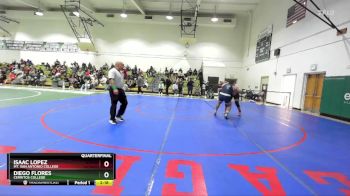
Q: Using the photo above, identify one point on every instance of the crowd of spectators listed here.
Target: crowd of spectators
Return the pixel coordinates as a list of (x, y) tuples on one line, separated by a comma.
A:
[(74, 76), (168, 79), (23, 72), (87, 76)]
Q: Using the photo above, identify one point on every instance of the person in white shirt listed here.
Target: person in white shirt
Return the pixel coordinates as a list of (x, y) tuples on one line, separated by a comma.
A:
[(103, 80), (117, 93), (203, 87), (161, 87), (175, 88)]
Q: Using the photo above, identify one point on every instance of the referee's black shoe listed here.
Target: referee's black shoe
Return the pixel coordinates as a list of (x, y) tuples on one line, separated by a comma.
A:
[(113, 122), (119, 119)]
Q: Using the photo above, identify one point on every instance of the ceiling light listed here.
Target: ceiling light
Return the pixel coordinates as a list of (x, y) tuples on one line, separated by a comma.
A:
[(295, 21), (169, 17), (84, 40), (214, 19), (123, 15), (76, 13), (38, 13)]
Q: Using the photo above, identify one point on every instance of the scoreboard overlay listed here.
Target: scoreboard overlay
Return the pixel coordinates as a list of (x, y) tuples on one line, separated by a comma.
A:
[(61, 168)]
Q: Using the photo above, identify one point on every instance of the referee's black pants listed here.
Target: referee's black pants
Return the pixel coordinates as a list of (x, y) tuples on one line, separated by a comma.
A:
[(167, 90), (121, 97)]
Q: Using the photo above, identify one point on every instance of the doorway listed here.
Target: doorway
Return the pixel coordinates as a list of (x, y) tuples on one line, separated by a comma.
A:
[(313, 92), (288, 86), (264, 82)]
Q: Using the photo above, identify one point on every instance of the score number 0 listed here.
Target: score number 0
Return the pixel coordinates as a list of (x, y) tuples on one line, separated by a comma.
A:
[(106, 164)]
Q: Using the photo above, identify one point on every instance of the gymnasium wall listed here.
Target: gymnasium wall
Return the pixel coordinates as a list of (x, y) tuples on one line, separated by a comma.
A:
[(307, 42), (138, 43), (41, 29)]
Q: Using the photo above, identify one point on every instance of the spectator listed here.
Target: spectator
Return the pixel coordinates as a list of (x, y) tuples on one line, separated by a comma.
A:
[(10, 78), (200, 77), (134, 71), (47, 66), (140, 83), (87, 73), (103, 80), (42, 79), (73, 82), (125, 72), (167, 85), (2, 76), (195, 72), (189, 72), (175, 73), (161, 87), (175, 89), (83, 66), (180, 86), (94, 81), (90, 66), (57, 62), (190, 87), (86, 84), (203, 87), (181, 75), (166, 72)]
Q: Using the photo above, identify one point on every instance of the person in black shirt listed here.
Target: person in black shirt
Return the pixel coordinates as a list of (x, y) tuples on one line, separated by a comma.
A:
[(190, 87), (166, 72), (189, 72), (180, 85), (167, 85), (195, 72), (225, 95)]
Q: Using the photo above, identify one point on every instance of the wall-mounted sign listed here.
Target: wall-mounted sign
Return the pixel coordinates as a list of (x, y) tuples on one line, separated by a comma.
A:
[(263, 45)]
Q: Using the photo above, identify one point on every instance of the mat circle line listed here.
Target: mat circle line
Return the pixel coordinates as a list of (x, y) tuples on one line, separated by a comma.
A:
[(26, 97), (138, 150)]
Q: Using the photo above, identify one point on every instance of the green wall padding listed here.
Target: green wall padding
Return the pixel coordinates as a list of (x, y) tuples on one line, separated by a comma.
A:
[(333, 100)]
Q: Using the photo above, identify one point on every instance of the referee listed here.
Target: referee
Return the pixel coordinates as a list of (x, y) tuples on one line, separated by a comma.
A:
[(117, 93)]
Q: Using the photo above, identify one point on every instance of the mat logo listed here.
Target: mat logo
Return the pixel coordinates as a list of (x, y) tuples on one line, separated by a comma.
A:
[(254, 175), (347, 98)]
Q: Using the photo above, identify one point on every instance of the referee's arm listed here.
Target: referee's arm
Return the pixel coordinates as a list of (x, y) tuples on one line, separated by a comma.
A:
[(114, 88), (111, 82)]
